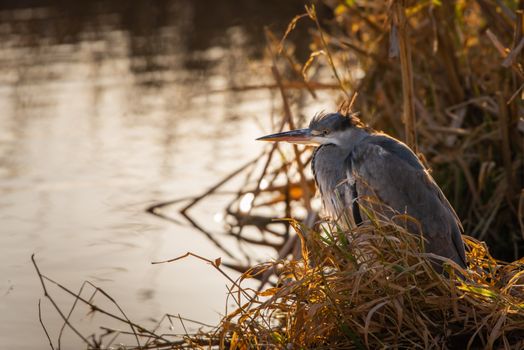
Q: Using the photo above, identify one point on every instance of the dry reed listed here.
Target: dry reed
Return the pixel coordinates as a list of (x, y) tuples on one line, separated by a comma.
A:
[(373, 287)]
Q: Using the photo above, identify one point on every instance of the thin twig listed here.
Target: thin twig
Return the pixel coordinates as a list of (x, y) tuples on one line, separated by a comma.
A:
[(90, 304), (43, 325), (311, 10), (46, 294), (289, 118), (406, 68), (215, 264)]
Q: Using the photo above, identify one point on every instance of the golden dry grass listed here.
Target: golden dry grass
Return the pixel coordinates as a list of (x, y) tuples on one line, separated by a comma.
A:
[(373, 288)]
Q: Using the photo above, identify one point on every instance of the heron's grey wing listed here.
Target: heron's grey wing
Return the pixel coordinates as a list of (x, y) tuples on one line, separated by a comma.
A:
[(394, 175)]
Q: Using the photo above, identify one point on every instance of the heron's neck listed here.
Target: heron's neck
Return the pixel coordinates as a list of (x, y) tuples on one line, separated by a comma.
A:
[(348, 139)]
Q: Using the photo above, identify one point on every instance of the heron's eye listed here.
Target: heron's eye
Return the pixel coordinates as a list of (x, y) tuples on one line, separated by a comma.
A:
[(325, 132)]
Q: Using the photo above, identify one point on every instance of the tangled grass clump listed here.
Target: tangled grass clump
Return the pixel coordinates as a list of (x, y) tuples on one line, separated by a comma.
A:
[(372, 287)]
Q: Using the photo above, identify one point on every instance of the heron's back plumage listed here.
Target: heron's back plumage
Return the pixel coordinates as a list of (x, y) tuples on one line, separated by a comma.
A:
[(384, 168), (387, 169)]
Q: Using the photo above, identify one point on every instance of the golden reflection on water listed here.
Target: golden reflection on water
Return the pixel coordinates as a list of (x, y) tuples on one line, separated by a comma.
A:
[(105, 109), (246, 203)]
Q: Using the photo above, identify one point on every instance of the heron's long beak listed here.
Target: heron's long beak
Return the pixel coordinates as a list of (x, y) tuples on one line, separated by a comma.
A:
[(302, 136)]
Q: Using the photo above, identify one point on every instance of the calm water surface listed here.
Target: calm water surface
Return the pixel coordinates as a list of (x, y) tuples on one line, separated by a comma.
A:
[(105, 109)]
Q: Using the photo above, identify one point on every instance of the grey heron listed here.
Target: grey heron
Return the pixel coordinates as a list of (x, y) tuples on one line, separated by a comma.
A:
[(352, 162)]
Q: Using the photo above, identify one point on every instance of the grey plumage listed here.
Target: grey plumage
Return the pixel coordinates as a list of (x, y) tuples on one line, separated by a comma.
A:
[(353, 164)]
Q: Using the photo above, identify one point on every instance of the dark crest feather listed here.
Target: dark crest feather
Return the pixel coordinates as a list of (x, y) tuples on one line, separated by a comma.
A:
[(337, 121), (318, 117)]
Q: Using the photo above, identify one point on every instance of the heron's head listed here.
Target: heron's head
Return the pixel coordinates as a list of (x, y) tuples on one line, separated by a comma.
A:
[(332, 128)]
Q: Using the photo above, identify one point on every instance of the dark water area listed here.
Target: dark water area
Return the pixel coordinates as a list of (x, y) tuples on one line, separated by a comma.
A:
[(107, 107)]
